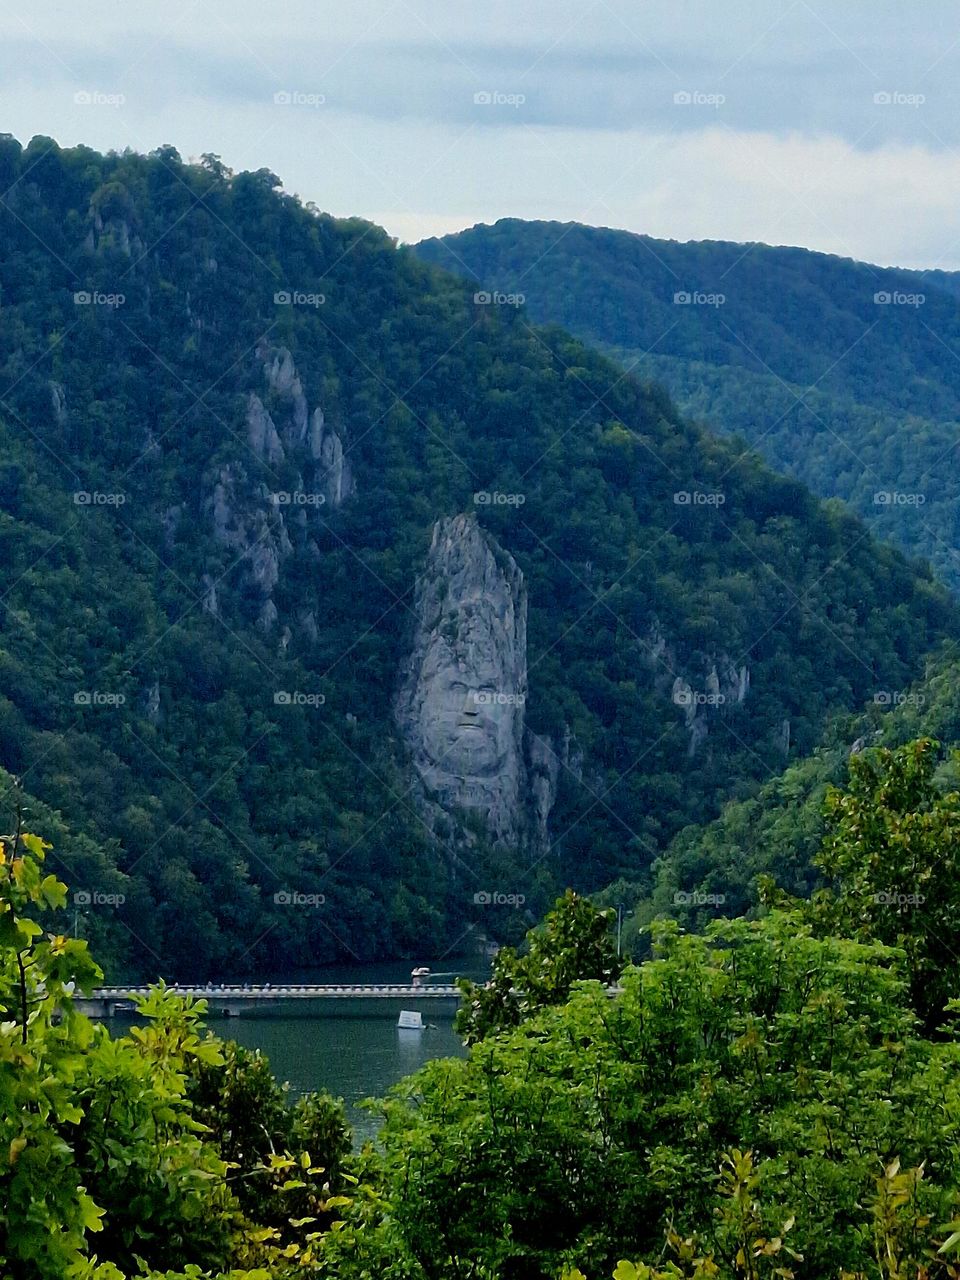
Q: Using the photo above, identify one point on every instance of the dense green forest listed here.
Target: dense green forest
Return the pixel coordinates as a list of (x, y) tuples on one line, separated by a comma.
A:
[(196, 678), (777, 1097), (717, 867), (840, 373)]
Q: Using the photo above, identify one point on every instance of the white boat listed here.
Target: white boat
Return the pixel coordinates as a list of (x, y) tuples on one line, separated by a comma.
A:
[(410, 1020)]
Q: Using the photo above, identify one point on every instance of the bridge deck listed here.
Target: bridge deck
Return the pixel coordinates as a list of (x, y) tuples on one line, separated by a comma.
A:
[(344, 991)]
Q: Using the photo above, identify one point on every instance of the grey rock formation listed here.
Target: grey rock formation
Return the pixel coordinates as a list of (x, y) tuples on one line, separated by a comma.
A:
[(268, 616), (262, 434), (545, 765), (683, 696), (725, 686), (460, 705), (571, 755), (307, 623), (284, 381), (250, 517), (112, 232), (264, 561), (317, 425), (151, 702), (654, 646), (733, 682), (152, 449), (211, 602), (169, 524), (334, 472), (331, 473), (58, 398), (256, 531)]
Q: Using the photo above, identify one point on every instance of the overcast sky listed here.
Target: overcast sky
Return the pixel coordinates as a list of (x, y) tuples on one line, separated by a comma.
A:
[(830, 125)]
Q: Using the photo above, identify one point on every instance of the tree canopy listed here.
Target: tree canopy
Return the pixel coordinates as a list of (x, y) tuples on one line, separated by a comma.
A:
[(771, 1097)]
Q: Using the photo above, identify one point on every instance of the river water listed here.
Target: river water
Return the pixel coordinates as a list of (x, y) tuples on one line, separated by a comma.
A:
[(352, 1058)]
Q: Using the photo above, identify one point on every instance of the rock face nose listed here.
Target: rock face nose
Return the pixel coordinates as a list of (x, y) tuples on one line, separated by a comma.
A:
[(460, 706)]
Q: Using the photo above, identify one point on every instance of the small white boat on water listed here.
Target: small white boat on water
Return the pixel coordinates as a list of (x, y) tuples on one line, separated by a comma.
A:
[(410, 1020)]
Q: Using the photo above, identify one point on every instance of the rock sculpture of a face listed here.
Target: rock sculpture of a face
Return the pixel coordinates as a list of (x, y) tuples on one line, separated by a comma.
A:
[(461, 701)]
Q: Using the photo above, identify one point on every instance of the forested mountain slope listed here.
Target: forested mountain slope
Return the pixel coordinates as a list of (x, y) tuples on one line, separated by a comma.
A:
[(712, 869), (842, 374), (335, 603)]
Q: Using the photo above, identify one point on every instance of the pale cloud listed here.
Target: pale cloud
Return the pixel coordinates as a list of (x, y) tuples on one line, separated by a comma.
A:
[(788, 136), (895, 205)]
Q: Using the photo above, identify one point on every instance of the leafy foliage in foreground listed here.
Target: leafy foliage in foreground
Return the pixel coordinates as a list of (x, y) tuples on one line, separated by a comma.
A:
[(128, 1154), (572, 945), (759, 1101), (892, 858), (591, 1131)]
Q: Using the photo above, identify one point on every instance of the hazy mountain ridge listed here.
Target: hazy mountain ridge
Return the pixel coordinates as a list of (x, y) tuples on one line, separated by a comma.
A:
[(841, 373)]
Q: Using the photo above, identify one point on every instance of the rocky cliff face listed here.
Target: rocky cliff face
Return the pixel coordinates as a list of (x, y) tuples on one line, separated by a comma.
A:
[(246, 514), (300, 433), (726, 686), (460, 706), (254, 529), (721, 685)]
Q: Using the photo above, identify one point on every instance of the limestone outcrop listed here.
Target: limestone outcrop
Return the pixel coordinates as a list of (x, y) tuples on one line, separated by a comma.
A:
[(720, 686), (259, 512), (460, 705), (328, 470), (253, 529)]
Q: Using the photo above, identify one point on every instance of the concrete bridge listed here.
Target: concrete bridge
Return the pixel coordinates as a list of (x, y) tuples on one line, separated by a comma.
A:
[(373, 999)]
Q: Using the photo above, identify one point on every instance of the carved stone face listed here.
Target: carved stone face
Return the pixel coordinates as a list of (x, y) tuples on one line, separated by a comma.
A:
[(460, 704), (467, 729)]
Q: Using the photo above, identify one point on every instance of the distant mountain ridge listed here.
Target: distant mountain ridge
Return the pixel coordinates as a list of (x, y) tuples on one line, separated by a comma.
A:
[(840, 373)]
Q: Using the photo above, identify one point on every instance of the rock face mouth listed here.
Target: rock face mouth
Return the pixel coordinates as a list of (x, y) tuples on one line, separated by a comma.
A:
[(460, 706)]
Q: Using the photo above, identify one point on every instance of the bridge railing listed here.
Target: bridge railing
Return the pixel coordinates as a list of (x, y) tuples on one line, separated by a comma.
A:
[(285, 991)]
